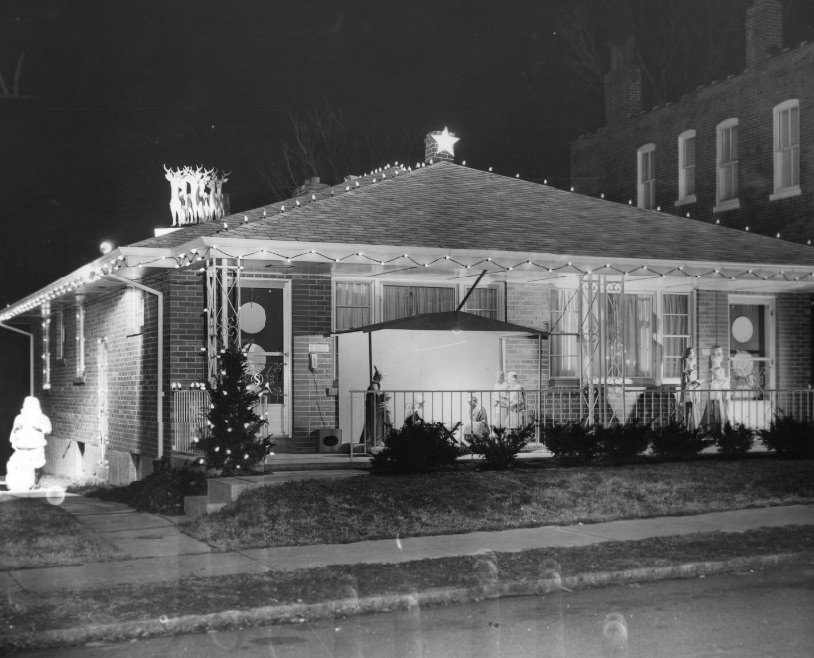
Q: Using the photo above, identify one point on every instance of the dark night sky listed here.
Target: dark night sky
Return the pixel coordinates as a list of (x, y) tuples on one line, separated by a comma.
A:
[(112, 90)]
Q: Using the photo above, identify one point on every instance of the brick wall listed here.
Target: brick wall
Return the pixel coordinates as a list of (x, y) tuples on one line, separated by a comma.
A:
[(528, 306), (311, 307), (73, 403), (605, 162)]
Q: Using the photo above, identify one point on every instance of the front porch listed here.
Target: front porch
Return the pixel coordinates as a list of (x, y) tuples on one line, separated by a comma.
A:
[(598, 403)]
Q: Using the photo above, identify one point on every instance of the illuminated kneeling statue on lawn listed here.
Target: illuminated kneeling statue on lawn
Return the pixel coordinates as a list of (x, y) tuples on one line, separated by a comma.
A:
[(28, 440)]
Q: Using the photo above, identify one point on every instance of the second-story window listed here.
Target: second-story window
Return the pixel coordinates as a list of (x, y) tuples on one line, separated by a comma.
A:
[(686, 167), (727, 164), (787, 149), (646, 187)]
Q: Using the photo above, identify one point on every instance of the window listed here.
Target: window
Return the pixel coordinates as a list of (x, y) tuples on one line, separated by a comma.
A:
[(482, 301), (786, 149), (686, 167), (564, 333), (352, 305), (629, 335), (80, 340), (675, 333), (405, 301), (45, 311), (134, 308), (59, 335), (646, 177), (727, 165)]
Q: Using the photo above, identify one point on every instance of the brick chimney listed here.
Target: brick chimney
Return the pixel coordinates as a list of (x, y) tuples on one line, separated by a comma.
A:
[(764, 30), (432, 145), (310, 186), (623, 84)]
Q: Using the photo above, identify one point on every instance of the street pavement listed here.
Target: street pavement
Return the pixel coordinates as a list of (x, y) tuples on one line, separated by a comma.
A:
[(159, 552)]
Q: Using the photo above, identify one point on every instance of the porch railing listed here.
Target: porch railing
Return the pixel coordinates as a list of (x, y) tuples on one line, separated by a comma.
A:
[(571, 404), (188, 418)]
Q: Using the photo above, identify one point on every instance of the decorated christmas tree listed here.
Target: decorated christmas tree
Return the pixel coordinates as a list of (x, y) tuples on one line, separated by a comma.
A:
[(232, 444)]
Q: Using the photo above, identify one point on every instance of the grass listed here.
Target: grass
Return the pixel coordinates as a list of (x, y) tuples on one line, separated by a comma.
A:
[(21, 611), (378, 507), (36, 533)]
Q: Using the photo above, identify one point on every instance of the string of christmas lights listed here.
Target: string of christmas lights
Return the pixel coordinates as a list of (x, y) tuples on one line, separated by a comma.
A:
[(90, 273)]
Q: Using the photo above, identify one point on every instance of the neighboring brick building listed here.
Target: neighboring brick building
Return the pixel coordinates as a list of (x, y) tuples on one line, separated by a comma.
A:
[(738, 152), (124, 341)]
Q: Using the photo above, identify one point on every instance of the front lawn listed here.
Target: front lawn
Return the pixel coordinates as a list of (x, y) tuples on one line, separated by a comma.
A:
[(38, 534), (378, 507)]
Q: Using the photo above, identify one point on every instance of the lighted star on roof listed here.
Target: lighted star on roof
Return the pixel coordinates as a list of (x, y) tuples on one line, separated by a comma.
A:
[(445, 141)]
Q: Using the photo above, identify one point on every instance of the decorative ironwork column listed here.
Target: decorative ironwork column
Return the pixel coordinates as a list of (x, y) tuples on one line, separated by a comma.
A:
[(222, 302), (590, 343)]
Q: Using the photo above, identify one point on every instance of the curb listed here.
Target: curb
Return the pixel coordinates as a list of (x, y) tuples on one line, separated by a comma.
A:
[(299, 613)]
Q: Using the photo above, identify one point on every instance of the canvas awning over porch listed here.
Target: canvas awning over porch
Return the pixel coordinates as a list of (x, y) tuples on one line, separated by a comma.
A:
[(454, 321)]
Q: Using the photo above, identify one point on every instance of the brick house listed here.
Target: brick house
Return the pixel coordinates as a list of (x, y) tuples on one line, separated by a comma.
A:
[(619, 291), (737, 152)]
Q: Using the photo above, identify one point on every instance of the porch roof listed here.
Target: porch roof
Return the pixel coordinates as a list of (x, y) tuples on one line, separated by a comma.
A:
[(455, 321)]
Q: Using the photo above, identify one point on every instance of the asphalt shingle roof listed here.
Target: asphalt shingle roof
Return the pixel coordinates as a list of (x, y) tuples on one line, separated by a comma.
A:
[(449, 206)]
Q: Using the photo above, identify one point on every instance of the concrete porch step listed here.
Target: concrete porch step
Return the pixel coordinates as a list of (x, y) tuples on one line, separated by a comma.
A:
[(195, 506), (222, 491)]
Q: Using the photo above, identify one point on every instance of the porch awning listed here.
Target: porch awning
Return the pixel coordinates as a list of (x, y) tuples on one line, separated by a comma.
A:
[(455, 321)]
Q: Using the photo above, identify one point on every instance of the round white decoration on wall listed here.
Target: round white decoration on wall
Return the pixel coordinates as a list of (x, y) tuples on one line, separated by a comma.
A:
[(742, 329), (252, 317), (256, 359)]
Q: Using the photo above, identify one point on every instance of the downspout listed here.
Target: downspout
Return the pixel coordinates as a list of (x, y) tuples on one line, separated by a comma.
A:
[(30, 354), (159, 356)]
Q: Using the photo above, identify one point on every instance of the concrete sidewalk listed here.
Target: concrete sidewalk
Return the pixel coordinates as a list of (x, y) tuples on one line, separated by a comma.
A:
[(159, 552)]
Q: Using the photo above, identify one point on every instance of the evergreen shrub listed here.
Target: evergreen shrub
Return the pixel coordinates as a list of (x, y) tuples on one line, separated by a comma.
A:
[(789, 437), (571, 442), (622, 442), (499, 449), (675, 440), (416, 448), (733, 440)]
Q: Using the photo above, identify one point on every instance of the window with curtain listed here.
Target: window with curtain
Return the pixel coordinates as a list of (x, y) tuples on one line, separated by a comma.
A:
[(352, 305), (405, 301), (629, 335), (728, 160), (676, 333), (686, 166), (787, 147), (483, 301), (647, 177), (564, 327)]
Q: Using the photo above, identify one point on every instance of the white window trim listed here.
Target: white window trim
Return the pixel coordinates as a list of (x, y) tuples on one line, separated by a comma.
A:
[(59, 336), (734, 202), (658, 377), (791, 190), (45, 310), (640, 191), (80, 340), (682, 173), (661, 335), (729, 204), (134, 309)]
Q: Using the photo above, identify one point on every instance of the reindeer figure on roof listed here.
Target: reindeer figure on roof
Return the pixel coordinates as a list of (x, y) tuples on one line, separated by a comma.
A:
[(177, 191), (196, 194)]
